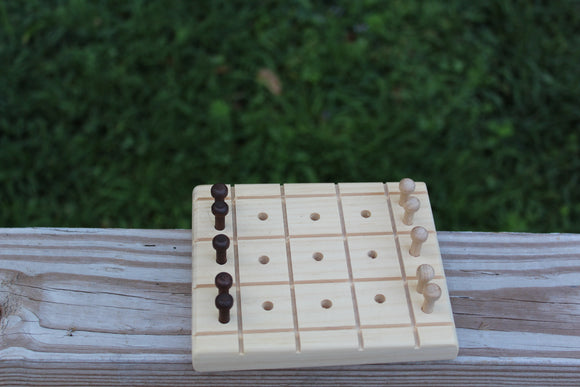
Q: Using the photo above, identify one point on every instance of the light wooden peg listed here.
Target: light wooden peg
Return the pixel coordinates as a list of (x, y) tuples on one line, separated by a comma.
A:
[(407, 187), (432, 293), (418, 235), (412, 205), (425, 273)]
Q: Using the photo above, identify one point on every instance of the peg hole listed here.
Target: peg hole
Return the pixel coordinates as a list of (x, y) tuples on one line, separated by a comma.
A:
[(315, 216), (365, 213), (317, 256), (264, 259), (268, 305), (380, 298), (262, 216), (326, 304), (372, 254)]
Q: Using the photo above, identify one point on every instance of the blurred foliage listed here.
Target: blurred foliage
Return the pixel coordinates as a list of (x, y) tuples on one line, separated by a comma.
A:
[(112, 111)]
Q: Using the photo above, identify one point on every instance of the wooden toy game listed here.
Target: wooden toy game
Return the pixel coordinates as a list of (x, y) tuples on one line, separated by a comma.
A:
[(300, 275)]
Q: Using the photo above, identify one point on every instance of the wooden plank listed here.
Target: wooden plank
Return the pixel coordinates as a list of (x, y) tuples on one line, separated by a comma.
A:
[(112, 306)]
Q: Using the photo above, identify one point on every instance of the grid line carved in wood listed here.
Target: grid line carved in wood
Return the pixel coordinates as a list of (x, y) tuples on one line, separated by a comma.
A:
[(349, 268), (290, 270), (316, 281), (324, 328), (237, 273), (312, 195), (403, 272), (310, 236)]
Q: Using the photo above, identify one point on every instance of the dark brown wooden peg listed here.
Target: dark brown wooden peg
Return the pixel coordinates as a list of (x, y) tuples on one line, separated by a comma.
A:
[(223, 281), (220, 209), (219, 192), (220, 243), (224, 303)]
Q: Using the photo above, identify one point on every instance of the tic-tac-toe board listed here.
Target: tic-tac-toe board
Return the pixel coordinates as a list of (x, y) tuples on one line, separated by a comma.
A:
[(322, 275)]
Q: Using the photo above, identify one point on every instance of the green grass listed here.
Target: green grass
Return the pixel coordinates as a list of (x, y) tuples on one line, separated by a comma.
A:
[(111, 112)]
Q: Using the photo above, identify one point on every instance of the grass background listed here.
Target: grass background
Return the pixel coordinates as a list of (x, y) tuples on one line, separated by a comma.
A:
[(112, 111)]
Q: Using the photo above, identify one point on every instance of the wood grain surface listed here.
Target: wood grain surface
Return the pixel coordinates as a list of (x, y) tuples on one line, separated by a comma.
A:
[(113, 307)]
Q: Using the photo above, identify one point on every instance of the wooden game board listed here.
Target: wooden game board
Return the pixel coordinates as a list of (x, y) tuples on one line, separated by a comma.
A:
[(322, 276)]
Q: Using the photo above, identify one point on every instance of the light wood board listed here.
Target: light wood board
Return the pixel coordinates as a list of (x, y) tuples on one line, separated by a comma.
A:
[(338, 286), (113, 307)]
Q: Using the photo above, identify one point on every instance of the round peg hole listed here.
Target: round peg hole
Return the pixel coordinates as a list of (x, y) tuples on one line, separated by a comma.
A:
[(373, 254), (315, 216), (365, 213), (268, 305), (326, 304), (264, 259), (379, 298), (262, 216), (317, 256)]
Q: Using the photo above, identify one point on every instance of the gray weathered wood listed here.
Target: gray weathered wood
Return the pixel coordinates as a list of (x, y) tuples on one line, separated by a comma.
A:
[(112, 306)]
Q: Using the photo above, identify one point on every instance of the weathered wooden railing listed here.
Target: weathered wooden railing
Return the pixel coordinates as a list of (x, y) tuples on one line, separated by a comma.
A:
[(113, 306)]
